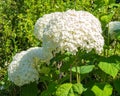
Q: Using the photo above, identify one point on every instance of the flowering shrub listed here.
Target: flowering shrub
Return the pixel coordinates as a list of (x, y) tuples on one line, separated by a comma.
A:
[(58, 35), (72, 60), (23, 69), (70, 30)]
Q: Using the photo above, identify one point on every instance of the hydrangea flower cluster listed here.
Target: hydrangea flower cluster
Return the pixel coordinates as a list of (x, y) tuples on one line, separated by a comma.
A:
[(113, 26), (59, 32), (23, 69), (42, 22), (66, 31), (113, 29)]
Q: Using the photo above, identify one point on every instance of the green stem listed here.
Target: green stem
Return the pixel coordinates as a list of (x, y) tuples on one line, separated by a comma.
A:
[(77, 74), (115, 48), (70, 73)]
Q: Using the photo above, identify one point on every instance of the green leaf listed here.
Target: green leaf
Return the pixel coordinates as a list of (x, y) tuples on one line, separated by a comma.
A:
[(64, 89), (29, 90), (108, 90), (45, 70), (69, 89), (106, 2), (83, 69), (71, 93), (105, 91), (109, 68), (78, 88), (106, 18), (86, 69), (109, 2), (97, 90)]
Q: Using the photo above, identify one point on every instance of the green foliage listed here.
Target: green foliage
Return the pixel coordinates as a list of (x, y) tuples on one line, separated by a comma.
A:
[(29, 90), (83, 69), (69, 89), (109, 68), (116, 34), (102, 89), (78, 88), (106, 18), (64, 90), (17, 19), (50, 90), (117, 85)]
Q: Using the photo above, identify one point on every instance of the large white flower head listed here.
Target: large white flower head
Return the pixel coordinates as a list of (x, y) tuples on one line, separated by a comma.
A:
[(72, 29), (42, 22), (23, 69)]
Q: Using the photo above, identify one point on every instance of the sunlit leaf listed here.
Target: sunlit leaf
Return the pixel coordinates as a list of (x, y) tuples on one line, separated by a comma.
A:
[(105, 91), (108, 68), (109, 1), (83, 69), (64, 89), (97, 90), (78, 88), (106, 18), (106, 2), (69, 89), (108, 90)]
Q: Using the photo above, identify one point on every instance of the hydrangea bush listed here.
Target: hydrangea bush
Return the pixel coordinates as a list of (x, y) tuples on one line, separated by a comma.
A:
[(59, 32), (23, 69), (70, 30), (69, 59)]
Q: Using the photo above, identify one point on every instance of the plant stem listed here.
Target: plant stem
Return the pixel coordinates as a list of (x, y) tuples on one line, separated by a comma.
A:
[(77, 74), (78, 77), (71, 73)]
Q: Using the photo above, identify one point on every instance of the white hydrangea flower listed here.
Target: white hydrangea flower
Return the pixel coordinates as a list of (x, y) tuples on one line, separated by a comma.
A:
[(113, 25), (42, 22), (23, 69), (113, 28), (70, 30)]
